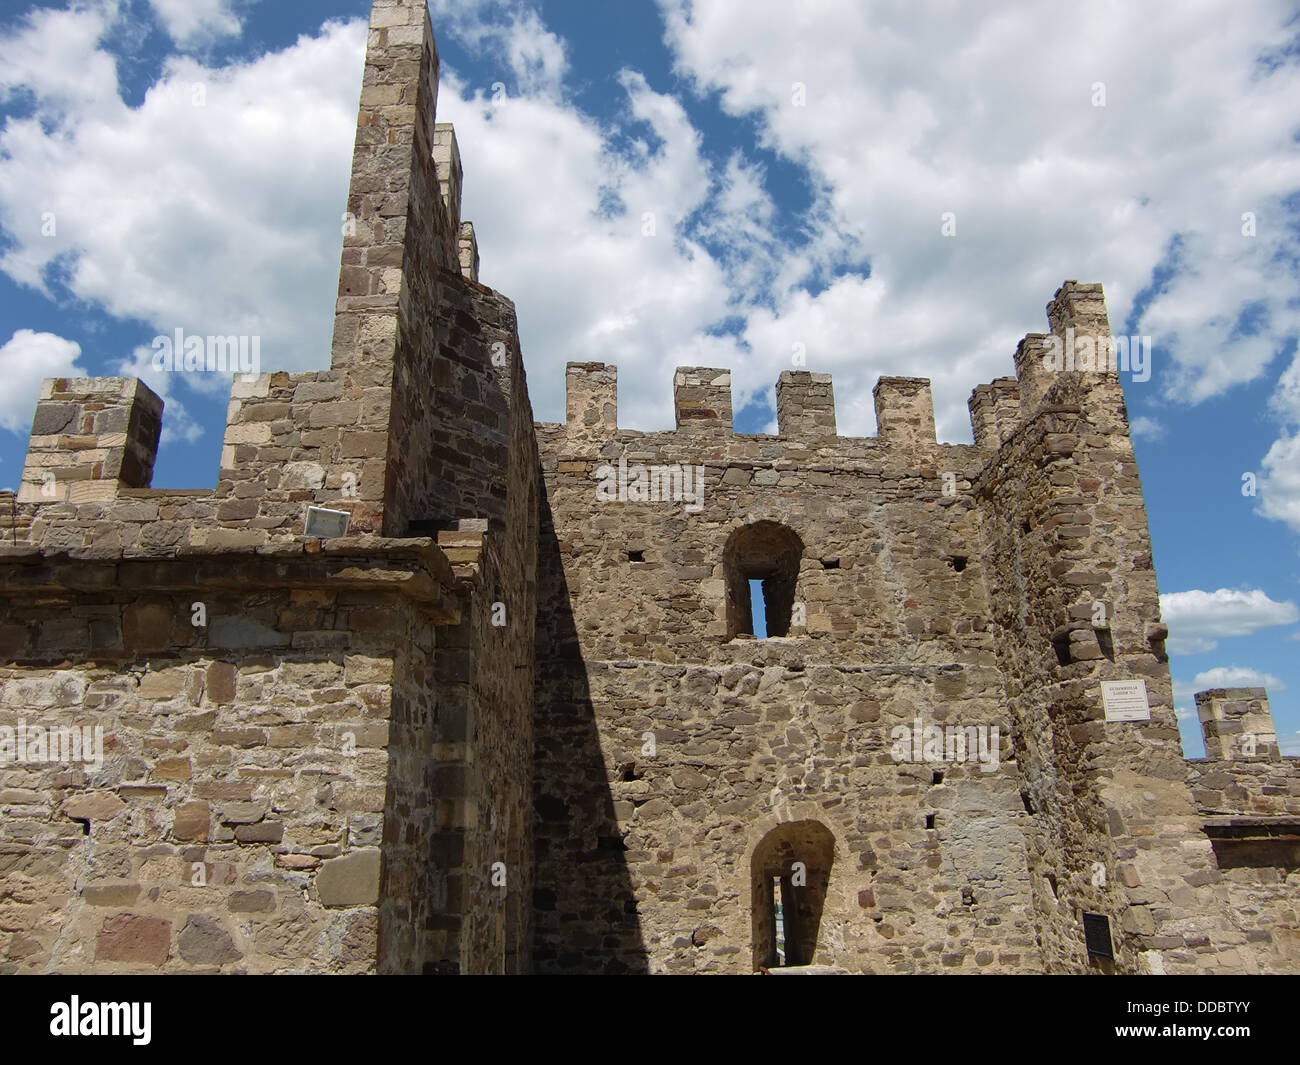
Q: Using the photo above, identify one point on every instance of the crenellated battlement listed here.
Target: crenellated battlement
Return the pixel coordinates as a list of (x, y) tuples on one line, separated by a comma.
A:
[(91, 438), (414, 335), (1237, 724), (805, 402), (340, 438)]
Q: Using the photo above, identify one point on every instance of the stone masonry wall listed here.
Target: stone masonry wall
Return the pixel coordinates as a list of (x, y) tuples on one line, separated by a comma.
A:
[(485, 692), (1249, 799), (645, 861), (345, 739), (1251, 811), (250, 792), (1067, 556), (517, 718)]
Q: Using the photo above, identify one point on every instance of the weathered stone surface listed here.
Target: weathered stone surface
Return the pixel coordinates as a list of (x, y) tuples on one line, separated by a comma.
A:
[(110, 894), (265, 832), (147, 627), (350, 880), (133, 938), (203, 941), (93, 806), (191, 821), (222, 679), (251, 902)]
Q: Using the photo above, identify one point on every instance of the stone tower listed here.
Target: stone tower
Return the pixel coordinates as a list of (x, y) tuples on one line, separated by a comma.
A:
[(315, 751)]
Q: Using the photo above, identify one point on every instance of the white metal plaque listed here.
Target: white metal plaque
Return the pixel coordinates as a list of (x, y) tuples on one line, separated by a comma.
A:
[(1125, 700)]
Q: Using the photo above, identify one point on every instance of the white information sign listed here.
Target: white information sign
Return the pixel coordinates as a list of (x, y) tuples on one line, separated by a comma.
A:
[(1125, 700)]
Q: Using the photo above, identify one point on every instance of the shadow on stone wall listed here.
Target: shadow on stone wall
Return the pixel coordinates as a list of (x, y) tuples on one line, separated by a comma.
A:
[(584, 912)]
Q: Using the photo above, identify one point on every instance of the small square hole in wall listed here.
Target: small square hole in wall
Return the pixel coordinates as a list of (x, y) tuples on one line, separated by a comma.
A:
[(937, 778), (957, 562), (1061, 645), (929, 820), (830, 563), (636, 556)]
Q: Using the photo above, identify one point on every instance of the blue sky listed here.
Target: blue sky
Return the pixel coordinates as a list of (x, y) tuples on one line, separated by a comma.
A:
[(183, 164)]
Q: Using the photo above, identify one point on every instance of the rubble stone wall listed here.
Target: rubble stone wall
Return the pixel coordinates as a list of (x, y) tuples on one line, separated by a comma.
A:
[(644, 860), (338, 745)]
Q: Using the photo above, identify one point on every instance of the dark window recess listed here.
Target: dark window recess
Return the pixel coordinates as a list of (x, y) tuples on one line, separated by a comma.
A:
[(1051, 883), (830, 563), (958, 563), (767, 554), (929, 820), (937, 778), (628, 771), (789, 874), (1025, 527), (1028, 800), (1061, 645), (1096, 934), (636, 556)]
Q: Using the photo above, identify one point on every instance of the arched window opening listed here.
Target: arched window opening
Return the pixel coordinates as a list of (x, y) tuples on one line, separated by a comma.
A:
[(790, 872), (761, 557)]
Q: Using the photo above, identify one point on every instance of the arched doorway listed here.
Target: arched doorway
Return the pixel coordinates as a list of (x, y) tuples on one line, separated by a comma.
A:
[(790, 872)]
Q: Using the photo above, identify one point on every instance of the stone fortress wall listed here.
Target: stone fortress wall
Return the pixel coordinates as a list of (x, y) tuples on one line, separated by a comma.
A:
[(279, 711), (996, 585), (516, 718)]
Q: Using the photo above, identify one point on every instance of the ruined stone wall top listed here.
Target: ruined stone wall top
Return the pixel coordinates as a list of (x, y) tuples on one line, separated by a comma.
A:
[(360, 437), (705, 433), (805, 406)]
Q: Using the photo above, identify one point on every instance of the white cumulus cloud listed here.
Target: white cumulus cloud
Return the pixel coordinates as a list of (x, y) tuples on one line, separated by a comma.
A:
[(1197, 619), (191, 21), (1237, 677), (1279, 481), (1043, 184), (26, 360), (1146, 428), (221, 218)]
